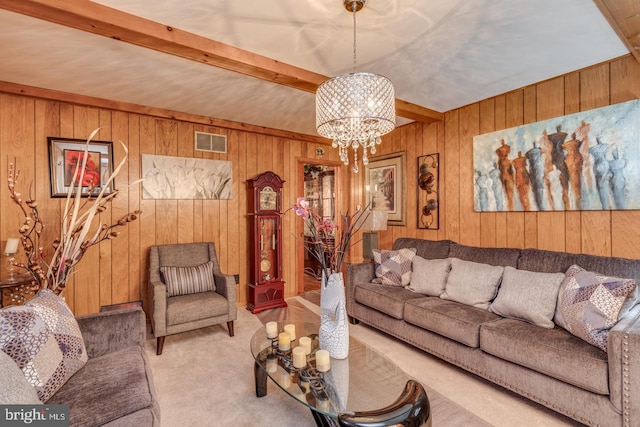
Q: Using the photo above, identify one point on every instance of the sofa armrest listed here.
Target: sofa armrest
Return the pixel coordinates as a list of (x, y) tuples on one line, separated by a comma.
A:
[(110, 331), (357, 273), (624, 365), (226, 286), (158, 316)]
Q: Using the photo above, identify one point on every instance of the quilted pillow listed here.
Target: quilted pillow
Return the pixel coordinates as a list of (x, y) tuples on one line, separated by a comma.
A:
[(44, 340), (589, 304), (393, 267), (528, 295), (472, 283), (429, 276), (189, 280)]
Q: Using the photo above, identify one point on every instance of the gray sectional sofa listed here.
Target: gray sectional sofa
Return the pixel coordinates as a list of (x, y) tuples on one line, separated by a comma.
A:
[(549, 366), (114, 387)]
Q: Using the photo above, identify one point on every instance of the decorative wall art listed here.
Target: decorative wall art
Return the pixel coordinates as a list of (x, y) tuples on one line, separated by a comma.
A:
[(583, 161), (65, 155), (429, 191), (167, 177), (384, 181)]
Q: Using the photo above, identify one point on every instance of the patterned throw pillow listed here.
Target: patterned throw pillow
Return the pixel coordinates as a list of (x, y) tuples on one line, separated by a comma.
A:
[(589, 304), (44, 340), (393, 267), (189, 280)]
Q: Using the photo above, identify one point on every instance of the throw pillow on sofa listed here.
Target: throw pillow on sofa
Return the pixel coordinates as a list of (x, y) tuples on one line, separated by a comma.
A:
[(393, 267), (589, 304), (528, 295), (429, 276), (44, 340), (188, 280), (472, 283)]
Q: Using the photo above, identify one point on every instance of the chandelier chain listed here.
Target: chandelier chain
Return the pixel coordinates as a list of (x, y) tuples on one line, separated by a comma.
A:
[(354, 37)]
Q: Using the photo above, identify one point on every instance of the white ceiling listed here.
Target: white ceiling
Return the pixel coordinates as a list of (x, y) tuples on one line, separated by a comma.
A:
[(440, 54)]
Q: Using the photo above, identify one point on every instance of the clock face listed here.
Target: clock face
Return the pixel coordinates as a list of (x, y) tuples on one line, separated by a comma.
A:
[(268, 198)]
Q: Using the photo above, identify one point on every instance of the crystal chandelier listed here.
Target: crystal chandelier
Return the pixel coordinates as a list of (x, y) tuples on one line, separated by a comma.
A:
[(355, 109)]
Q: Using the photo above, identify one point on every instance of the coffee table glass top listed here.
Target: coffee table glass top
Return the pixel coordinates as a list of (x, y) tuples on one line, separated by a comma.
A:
[(366, 380)]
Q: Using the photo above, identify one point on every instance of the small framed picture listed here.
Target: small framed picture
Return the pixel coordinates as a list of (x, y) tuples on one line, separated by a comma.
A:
[(67, 155), (384, 182)]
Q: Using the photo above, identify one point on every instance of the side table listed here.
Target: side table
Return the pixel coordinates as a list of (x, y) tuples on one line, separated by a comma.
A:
[(17, 289)]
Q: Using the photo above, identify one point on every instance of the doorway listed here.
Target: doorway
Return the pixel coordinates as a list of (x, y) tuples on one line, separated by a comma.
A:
[(318, 182)]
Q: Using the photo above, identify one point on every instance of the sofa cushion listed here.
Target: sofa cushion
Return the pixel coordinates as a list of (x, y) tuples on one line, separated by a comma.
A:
[(472, 283), (491, 256), (429, 276), (427, 249), (589, 304), (107, 388), (387, 299), (14, 387), (528, 296), (44, 340), (393, 267), (188, 280), (189, 308), (453, 320), (553, 352)]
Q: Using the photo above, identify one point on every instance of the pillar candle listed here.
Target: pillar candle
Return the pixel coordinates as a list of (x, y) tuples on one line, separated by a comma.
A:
[(292, 331), (323, 362), (305, 342), (272, 329), (12, 246), (299, 357), (284, 341)]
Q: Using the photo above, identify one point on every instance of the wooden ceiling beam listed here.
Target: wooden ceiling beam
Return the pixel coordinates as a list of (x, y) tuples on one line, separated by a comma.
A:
[(108, 22), (624, 18)]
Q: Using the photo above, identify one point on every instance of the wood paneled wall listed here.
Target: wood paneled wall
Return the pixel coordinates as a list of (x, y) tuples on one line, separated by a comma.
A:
[(116, 272), (614, 233)]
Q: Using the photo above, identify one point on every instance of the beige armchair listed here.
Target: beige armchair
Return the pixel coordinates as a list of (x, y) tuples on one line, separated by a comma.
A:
[(173, 312)]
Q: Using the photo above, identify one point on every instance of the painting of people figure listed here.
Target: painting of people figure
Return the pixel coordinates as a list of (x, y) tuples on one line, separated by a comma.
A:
[(583, 161)]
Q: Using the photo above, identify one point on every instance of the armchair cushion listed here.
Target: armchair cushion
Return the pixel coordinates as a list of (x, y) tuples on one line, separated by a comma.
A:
[(188, 280), (43, 338)]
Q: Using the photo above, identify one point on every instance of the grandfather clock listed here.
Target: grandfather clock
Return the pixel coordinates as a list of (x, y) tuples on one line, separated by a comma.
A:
[(266, 287)]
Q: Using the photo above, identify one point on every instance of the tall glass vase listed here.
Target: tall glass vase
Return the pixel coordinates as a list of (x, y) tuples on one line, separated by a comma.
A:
[(334, 327)]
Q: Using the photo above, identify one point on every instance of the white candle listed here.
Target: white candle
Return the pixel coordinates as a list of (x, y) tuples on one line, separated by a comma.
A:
[(299, 357), (272, 329), (284, 341), (305, 342), (285, 379), (12, 246), (292, 331), (323, 362)]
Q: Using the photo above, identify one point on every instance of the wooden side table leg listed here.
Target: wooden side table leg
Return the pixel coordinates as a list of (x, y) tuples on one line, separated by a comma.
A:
[(260, 376)]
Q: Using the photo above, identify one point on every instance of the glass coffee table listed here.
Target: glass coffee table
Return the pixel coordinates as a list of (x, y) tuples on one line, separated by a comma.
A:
[(364, 381)]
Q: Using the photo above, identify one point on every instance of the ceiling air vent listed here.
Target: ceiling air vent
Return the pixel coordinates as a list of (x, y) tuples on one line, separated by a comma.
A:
[(211, 142)]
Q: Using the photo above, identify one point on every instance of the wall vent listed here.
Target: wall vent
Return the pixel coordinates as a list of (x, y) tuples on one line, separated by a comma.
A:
[(211, 142)]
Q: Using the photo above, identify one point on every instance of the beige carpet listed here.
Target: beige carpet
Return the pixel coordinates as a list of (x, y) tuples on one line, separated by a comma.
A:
[(205, 378)]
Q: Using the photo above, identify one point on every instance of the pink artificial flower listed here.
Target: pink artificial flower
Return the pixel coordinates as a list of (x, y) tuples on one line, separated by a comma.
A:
[(301, 207), (327, 226)]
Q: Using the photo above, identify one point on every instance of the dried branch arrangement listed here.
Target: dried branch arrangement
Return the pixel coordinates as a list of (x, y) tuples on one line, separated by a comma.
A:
[(78, 233)]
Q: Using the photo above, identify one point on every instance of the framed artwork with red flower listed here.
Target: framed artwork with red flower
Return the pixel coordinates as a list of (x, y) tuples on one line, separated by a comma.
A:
[(67, 163)]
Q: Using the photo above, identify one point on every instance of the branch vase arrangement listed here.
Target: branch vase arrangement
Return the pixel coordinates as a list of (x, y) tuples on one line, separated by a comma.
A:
[(328, 244), (81, 226)]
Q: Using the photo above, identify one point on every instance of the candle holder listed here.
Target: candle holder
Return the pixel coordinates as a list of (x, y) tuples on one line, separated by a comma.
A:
[(11, 270)]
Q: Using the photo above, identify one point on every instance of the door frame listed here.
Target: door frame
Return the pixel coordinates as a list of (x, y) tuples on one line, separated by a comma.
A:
[(299, 227)]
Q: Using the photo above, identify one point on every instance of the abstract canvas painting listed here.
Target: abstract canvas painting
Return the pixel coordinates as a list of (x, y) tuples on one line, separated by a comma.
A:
[(167, 177), (583, 161)]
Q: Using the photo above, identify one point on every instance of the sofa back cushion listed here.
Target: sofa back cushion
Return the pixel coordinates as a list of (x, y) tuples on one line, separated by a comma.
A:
[(427, 249), (552, 262), (529, 296), (429, 276), (472, 283), (491, 256)]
